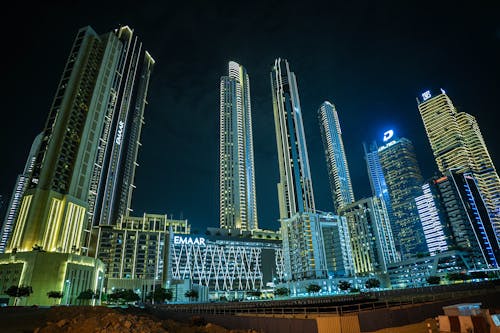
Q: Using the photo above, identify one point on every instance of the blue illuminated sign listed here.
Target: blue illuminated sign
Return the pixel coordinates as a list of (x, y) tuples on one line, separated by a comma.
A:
[(388, 135)]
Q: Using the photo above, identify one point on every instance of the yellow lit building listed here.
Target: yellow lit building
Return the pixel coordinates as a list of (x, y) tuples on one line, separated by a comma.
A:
[(44, 272), (457, 144)]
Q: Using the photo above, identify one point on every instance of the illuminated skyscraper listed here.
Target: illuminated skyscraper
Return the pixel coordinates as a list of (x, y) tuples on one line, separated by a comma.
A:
[(238, 206), (17, 195), (93, 127), (295, 191), (458, 145), (303, 248), (336, 161), (112, 182), (404, 183)]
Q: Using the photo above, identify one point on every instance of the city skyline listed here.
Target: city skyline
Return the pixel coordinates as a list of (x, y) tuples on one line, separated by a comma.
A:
[(169, 145)]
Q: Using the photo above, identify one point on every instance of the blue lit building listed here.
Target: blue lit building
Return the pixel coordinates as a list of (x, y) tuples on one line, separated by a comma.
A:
[(376, 175), (336, 161), (481, 227), (454, 216)]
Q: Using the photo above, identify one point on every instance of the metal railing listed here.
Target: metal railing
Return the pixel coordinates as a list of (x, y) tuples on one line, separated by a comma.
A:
[(321, 306)]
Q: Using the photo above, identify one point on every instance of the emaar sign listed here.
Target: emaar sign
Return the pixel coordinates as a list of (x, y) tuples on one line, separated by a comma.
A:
[(179, 240)]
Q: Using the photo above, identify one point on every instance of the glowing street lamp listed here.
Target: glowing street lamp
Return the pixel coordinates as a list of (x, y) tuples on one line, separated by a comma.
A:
[(68, 289)]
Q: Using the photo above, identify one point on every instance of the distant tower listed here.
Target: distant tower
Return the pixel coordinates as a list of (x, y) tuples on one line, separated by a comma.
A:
[(375, 173), (457, 144), (404, 183), (295, 191), (17, 194), (88, 122), (336, 161), (238, 205)]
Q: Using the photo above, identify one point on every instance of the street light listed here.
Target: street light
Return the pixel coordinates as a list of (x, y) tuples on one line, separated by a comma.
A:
[(68, 289), (100, 289)]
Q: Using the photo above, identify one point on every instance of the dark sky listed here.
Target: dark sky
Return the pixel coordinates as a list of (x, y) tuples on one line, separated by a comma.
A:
[(369, 58)]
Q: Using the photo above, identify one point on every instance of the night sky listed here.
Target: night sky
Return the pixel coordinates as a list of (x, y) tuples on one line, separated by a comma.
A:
[(371, 59)]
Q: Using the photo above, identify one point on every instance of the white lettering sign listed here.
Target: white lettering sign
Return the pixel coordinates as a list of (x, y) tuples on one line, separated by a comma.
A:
[(426, 95), (179, 240), (388, 135), (119, 133)]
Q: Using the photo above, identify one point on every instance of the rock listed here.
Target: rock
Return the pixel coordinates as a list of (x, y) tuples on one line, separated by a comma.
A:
[(127, 323), (62, 322)]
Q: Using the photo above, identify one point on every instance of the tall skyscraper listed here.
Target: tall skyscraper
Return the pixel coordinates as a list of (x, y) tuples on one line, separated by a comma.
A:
[(458, 145), (97, 109), (404, 183), (238, 205), (17, 194), (295, 191), (112, 181), (303, 249), (336, 161)]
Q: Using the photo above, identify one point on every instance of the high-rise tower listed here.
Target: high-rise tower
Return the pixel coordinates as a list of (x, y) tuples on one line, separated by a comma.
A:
[(458, 145), (303, 249), (112, 182), (404, 183), (336, 161), (96, 109), (238, 206), (295, 191), (17, 195)]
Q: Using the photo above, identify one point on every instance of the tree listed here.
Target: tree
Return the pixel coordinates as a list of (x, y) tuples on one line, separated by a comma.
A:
[(433, 279), (254, 293), (55, 295), (344, 285), (313, 288), (191, 294), (479, 275), (458, 277), (21, 291), (124, 296), (159, 295), (87, 295), (372, 283), (282, 291)]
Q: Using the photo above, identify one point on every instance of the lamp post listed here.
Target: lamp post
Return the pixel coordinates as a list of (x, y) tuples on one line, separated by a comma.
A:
[(68, 290), (101, 281)]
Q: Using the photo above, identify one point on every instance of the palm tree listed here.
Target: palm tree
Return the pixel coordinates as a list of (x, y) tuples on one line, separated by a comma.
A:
[(55, 295), (191, 294)]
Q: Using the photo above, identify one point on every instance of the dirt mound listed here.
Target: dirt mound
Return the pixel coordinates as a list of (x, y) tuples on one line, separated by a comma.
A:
[(97, 319), (86, 319)]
